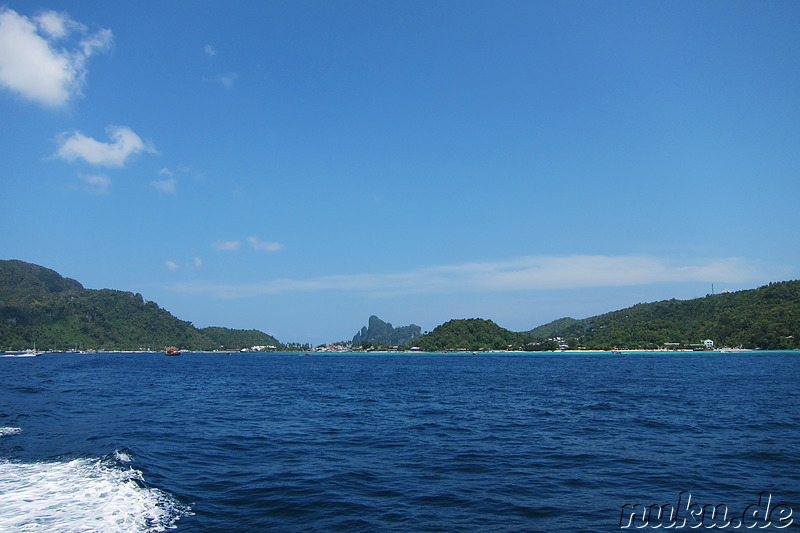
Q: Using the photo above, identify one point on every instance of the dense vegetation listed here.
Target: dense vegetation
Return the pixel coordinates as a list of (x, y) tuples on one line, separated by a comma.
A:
[(763, 318), (234, 339), (473, 334), (379, 333), (39, 306)]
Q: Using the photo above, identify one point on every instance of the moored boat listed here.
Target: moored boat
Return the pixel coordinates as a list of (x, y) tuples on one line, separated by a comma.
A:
[(172, 351)]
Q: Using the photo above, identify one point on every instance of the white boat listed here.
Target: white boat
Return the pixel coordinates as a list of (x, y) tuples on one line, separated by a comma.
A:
[(31, 353), (26, 353)]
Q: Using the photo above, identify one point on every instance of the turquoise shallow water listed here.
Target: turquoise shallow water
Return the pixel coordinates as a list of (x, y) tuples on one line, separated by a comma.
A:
[(391, 442)]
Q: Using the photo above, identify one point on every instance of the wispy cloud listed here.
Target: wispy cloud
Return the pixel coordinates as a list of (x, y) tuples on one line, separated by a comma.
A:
[(55, 25), (195, 264), (168, 182), (33, 62), (264, 246), (96, 183), (227, 80), (522, 274), (255, 243), (227, 246), (124, 143)]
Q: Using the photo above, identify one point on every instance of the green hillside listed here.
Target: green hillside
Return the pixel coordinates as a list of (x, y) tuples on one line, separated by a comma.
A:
[(763, 318), (473, 334), (235, 339), (37, 305)]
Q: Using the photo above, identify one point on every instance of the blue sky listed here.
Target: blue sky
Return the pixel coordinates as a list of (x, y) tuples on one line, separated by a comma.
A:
[(298, 166)]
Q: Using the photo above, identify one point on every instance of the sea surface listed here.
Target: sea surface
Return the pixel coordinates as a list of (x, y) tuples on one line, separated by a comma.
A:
[(392, 442)]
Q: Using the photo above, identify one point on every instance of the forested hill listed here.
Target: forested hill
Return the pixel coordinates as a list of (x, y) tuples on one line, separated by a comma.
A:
[(471, 334), (763, 318), (766, 318), (37, 305)]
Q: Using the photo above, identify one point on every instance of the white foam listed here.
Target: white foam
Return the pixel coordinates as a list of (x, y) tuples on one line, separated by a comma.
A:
[(123, 457), (85, 495), (9, 431)]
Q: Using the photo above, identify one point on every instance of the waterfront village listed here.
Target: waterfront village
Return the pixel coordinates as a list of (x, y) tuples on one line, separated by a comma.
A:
[(555, 344)]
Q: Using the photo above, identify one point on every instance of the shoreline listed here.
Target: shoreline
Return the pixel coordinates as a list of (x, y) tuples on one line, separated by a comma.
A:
[(16, 353)]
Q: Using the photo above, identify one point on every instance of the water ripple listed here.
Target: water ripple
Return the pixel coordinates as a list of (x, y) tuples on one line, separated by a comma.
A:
[(401, 443)]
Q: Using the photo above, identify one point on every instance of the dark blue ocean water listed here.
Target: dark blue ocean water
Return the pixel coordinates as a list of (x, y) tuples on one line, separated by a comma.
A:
[(357, 442)]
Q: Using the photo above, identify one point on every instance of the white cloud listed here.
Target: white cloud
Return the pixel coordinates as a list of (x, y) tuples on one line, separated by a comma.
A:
[(196, 264), (96, 183), (210, 50), (227, 80), (31, 63), (227, 246), (264, 246), (166, 185), (56, 25), (522, 274), (96, 43), (254, 242), (125, 143)]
